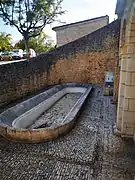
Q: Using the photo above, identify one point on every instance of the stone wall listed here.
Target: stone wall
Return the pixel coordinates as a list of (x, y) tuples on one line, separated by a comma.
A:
[(126, 99), (84, 60), (77, 30)]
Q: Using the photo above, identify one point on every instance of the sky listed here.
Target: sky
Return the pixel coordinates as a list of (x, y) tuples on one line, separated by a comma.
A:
[(75, 10)]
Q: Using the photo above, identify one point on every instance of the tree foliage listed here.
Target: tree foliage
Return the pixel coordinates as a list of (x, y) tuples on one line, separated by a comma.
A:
[(5, 42), (20, 44), (30, 16), (40, 44)]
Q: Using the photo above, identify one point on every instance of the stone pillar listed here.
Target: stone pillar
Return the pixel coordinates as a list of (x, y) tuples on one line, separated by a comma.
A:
[(128, 112), (126, 101), (128, 117), (123, 65)]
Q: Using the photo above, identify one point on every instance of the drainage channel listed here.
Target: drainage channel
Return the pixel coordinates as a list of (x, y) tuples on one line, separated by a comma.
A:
[(57, 112)]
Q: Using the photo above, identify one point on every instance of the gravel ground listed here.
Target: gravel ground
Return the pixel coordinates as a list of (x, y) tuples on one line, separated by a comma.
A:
[(56, 114), (89, 152)]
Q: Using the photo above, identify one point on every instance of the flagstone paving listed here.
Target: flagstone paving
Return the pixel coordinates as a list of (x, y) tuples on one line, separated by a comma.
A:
[(89, 152)]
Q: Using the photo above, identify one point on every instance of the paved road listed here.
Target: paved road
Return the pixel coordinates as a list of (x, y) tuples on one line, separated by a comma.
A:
[(89, 152), (7, 62)]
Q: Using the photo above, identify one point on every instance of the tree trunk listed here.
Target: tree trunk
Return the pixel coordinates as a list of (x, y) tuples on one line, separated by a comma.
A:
[(26, 39)]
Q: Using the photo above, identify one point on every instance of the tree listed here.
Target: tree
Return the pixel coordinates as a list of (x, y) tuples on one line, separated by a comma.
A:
[(40, 44), (30, 16), (5, 42), (20, 44)]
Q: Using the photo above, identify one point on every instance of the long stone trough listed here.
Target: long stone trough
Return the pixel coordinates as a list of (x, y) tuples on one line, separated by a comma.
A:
[(45, 116)]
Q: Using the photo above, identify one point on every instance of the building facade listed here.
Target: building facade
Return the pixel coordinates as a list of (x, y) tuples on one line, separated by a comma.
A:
[(125, 10), (70, 32)]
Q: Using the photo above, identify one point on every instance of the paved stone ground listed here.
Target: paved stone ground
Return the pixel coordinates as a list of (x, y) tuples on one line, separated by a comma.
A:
[(56, 114), (89, 152)]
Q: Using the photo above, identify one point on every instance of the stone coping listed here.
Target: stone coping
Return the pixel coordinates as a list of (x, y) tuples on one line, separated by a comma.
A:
[(41, 134)]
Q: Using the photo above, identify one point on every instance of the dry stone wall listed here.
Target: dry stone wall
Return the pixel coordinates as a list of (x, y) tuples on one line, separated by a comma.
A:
[(84, 60)]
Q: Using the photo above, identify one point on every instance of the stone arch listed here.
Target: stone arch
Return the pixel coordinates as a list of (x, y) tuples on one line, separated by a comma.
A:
[(131, 26), (123, 34)]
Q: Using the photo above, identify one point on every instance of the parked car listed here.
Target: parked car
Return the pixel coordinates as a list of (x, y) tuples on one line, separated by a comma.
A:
[(31, 53), (6, 56), (17, 54), (25, 54)]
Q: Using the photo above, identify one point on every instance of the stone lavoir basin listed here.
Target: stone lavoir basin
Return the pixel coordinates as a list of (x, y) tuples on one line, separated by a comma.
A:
[(45, 116)]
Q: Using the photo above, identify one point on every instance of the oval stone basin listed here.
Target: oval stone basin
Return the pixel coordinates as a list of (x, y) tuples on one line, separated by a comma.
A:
[(45, 116)]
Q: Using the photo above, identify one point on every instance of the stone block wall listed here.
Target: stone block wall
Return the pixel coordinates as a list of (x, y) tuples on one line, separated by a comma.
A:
[(126, 99), (84, 60)]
